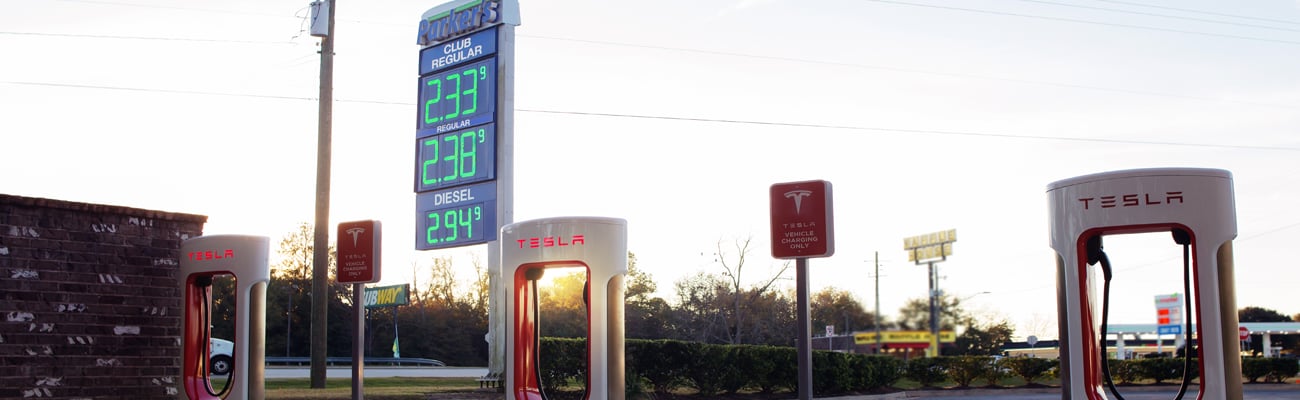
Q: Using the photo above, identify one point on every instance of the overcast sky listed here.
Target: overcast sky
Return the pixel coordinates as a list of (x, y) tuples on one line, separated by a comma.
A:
[(678, 115)]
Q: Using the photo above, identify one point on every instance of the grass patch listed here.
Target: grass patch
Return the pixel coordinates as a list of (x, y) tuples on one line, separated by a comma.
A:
[(375, 388)]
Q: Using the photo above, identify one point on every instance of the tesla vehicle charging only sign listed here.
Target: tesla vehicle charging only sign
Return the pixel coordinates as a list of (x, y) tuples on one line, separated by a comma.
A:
[(358, 252), (802, 222)]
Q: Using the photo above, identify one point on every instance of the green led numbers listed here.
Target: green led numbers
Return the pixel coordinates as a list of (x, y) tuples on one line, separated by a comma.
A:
[(452, 225)]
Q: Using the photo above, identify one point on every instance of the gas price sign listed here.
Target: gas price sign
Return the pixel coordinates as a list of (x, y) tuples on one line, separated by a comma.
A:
[(456, 217), (458, 97), (455, 158), (460, 121)]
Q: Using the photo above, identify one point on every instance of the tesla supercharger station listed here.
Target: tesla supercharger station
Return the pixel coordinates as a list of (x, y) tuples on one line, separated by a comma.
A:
[(245, 258), (597, 245), (1197, 207)]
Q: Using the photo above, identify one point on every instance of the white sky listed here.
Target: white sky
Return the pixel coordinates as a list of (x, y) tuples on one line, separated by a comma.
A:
[(925, 115)]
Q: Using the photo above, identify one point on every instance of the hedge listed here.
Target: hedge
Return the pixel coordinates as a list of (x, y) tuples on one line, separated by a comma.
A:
[(664, 366)]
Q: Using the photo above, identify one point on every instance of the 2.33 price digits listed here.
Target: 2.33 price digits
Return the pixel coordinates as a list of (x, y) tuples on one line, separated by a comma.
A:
[(457, 224), (455, 158), (466, 92)]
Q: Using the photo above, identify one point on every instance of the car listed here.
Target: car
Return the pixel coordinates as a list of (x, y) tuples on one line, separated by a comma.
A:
[(221, 356)]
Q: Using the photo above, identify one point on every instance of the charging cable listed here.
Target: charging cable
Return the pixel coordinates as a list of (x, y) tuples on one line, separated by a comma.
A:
[(533, 275), (1096, 255), (205, 314)]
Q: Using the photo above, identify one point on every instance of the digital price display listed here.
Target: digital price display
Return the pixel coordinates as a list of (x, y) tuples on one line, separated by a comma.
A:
[(455, 158), (461, 216), (458, 97)]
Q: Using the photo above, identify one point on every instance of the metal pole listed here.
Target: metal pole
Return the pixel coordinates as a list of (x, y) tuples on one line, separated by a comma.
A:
[(358, 342), (320, 253), (879, 340), (805, 329), (288, 325), (934, 311), (397, 349)]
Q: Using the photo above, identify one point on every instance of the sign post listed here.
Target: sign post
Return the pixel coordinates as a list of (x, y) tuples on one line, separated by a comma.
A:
[(358, 263), (802, 227), (931, 248)]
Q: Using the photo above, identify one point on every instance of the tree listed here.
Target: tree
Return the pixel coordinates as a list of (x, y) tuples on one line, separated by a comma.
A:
[(697, 316), (740, 298), (645, 316), (984, 340), (915, 314), (832, 306), (563, 311)]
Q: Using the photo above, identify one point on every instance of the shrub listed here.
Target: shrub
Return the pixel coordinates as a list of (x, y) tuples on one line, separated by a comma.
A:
[(831, 373), (874, 372), (1253, 368), (925, 371), (1283, 368), (1124, 371), (1027, 368), (714, 369), (1161, 369), (964, 369), (1271, 369), (661, 362)]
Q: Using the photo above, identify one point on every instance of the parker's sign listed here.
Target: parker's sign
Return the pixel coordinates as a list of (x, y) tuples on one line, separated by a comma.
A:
[(459, 19)]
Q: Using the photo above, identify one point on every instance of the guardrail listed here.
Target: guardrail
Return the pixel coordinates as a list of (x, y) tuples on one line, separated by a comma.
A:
[(425, 362)]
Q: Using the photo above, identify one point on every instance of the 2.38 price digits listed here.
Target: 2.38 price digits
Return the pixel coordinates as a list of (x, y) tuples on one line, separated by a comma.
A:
[(455, 158), (458, 93), (451, 225)]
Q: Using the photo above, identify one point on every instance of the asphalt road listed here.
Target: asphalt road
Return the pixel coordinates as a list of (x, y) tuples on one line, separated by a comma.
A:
[(1252, 392)]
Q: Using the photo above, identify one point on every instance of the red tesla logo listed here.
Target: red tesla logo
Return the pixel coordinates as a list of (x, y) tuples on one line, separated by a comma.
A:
[(551, 241)]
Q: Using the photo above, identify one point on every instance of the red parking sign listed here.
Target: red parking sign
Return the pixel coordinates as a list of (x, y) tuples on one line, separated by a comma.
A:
[(358, 252), (802, 222)]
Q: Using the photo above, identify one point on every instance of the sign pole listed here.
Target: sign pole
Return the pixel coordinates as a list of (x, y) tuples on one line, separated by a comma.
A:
[(805, 329), (934, 311), (358, 350)]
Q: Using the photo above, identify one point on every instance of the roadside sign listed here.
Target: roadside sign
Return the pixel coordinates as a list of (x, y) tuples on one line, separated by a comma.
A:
[(802, 221), (358, 252), (1243, 334)]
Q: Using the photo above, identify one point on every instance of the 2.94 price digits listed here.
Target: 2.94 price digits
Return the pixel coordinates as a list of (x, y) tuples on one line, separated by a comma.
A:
[(447, 226)]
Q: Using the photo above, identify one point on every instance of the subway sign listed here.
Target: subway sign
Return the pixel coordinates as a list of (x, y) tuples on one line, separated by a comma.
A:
[(387, 296)]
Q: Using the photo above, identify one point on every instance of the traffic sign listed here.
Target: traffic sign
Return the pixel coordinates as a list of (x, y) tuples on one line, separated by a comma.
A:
[(802, 221), (358, 252), (1243, 334)]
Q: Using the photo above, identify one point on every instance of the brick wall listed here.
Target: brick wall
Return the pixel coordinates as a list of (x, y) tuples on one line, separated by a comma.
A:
[(90, 300)]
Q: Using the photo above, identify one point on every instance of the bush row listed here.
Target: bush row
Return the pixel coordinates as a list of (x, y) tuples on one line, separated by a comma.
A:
[(664, 366), (1271, 369)]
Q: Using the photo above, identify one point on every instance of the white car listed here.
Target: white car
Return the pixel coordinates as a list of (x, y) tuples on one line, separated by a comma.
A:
[(221, 358)]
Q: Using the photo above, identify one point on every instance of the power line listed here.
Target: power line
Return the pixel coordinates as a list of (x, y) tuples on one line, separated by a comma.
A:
[(707, 120), (1116, 10), (152, 90), (1201, 12), (159, 7), (923, 131), (1081, 21), (166, 39), (919, 71)]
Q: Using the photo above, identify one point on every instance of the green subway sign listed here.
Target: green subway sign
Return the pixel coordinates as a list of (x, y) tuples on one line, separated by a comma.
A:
[(387, 296)]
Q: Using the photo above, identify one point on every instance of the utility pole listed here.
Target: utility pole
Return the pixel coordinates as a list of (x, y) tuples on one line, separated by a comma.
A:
[(877, 319), (321, 242)]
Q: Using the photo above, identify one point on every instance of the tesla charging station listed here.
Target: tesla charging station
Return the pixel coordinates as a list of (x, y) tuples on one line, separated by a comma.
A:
[(596, 245), (245, 258), (1197, 207)]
